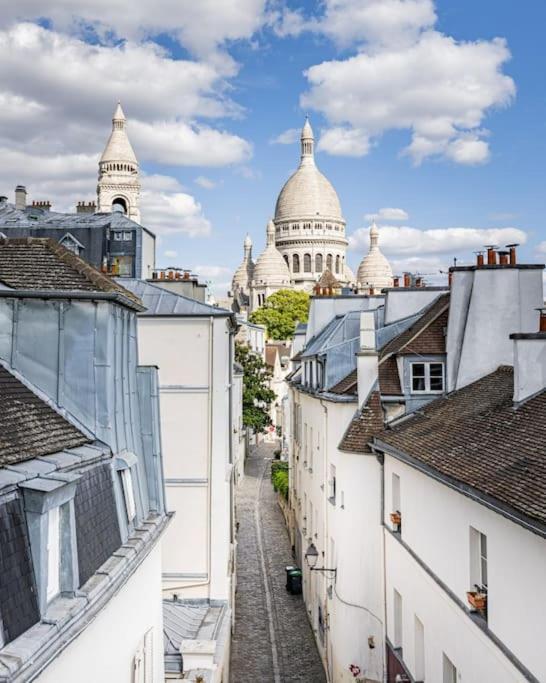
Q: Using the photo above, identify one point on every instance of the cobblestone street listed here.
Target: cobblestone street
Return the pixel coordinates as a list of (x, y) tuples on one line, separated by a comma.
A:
[(273, 641)]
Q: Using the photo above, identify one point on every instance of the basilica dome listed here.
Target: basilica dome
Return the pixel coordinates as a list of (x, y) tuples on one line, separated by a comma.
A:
[(307, 193), (271, 268), (374, 271)]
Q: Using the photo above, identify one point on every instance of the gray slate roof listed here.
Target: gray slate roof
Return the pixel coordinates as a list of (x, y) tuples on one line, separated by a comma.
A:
[(159, 301), (29, 427), (35, 217)]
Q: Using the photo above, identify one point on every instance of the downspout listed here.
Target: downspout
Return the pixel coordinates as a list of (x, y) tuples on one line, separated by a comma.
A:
[(381, 460), (325, 515), (209, 471)]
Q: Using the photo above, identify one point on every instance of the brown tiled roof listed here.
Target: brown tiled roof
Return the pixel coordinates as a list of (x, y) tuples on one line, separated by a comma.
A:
[(28, 426), (474, 436), (270, 355), (426, 335), (364, 425), (348, 385), (43, 264), (389, 379)]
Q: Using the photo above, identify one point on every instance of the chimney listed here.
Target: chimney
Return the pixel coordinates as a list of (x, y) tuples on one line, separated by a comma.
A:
[(503, 258), (367, 359), (407, 280), (86, 207), (45, 205), (479, 258), (418, 281), (530, 361), (512, 248), (478, 337), (20, 197), (396, 281), (491, 254)]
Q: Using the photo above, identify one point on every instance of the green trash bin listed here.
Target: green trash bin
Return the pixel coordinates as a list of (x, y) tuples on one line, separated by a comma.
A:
[(293, 580)]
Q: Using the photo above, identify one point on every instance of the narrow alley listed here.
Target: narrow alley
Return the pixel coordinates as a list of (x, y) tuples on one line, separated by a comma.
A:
[(273, 641)]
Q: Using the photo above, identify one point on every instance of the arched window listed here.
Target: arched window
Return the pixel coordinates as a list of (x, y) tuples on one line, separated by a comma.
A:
[(119, 204), (286, 259), (337, 263), (318, 263), (295, 263), (329, 260), (307, 263)]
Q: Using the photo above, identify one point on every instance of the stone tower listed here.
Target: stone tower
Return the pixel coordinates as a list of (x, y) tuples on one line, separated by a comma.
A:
[(118, 188)]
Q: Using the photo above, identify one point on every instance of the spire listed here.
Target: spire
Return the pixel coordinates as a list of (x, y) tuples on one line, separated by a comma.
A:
[(307, 141), (247, 247), (374, 237), (118, 119), (270, 234)]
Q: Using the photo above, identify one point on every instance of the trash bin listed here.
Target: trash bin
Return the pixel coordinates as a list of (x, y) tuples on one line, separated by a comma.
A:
[(293, 580)]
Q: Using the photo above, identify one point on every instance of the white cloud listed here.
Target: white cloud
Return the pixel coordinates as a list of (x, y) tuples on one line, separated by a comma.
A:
[(200, 26), (344, 141), (170, 253), (287, 137), (213, 272), (407, 76), (387, 214), (205, 182), (541, 248), (168, 213), (405, 241)]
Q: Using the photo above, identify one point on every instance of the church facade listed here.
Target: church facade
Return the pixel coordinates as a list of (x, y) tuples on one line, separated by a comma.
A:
[(306, 241)]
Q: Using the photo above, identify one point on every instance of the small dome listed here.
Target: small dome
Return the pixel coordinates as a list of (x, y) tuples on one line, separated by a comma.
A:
[(307, 193), (245, 272), (374, 270), (271, 268)]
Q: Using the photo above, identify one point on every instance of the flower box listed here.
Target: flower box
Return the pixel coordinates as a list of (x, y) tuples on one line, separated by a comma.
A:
[(396, 518), (477, 601)]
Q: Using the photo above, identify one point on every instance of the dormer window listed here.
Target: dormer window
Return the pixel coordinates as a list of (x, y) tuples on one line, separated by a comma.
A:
[(72, 244), (427, 378)]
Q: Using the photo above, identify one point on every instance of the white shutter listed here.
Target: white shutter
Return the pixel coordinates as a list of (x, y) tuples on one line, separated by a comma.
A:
[(128, 493), (53, 553)]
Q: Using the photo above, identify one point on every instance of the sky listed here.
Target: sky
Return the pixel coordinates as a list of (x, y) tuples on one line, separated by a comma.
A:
[(429, 116)]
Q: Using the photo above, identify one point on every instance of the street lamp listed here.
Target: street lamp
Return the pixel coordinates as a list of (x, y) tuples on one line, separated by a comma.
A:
[(311, 557)]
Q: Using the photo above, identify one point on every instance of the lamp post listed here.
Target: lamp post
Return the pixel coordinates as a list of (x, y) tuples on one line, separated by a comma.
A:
[(311, 557)]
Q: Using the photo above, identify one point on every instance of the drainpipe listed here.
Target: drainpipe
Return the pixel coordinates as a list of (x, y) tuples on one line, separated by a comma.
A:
[(326, 560), (381, 460)]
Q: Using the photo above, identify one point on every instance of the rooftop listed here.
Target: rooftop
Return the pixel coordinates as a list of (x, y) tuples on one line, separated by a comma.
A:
[(29, 427), (475, 438), (41, 264)]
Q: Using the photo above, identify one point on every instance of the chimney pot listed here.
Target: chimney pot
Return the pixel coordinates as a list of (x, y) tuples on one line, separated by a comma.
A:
[(396, 281), (503, 258), (407, 280), (479, 258), (542, 320), (449, 278), (491, 254), (513, 257), (20, 197)]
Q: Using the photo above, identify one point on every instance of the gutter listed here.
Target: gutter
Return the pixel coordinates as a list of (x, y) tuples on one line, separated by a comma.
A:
[(57, 294)]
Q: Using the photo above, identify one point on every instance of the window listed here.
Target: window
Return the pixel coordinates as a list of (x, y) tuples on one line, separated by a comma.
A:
[(53, 553), (318, 263), (71, 243), (337, 263), (478, 560), (449, 670), (118, 236), (332, 484), (128, 236), (128, 493), (307, 263), (329, 260), (295, 263), (395, 493), (427, 377), (307, 226), (419, 639), (397, 607)]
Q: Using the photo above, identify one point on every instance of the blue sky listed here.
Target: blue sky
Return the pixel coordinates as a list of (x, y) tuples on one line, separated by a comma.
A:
[(208, 90)]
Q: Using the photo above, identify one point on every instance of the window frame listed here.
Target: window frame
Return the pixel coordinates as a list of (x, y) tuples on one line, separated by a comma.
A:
[(426, 377)]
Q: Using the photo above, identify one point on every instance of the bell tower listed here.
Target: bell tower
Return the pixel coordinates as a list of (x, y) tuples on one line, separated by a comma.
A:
[(118, 188)]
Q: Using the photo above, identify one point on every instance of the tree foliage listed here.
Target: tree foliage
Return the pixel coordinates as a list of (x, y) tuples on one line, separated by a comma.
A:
[(281, 311), (257, 396), (279, 477)]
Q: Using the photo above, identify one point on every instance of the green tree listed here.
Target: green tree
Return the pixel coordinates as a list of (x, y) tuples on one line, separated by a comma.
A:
[(257, 396), (281, 311)]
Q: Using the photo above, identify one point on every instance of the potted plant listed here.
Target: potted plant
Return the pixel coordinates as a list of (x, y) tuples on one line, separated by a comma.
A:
[(396, 518), (478, 598)]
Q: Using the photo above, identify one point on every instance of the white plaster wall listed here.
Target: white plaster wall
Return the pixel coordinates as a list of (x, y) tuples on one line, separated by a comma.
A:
[(436, 523), (105, 650), (148, 254), (185, 542), (401, 303), (529, 367), (502, 301), (186, 447)]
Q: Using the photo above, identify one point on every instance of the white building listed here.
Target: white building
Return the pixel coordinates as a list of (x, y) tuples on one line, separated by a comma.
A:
[(407, 521), (201, 425), (82, 504)]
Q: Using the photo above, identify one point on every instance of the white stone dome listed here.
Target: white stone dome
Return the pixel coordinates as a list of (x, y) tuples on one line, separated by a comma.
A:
[(374, 271), (118, 147), (349, 275), (307, 193), (271, 269)]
